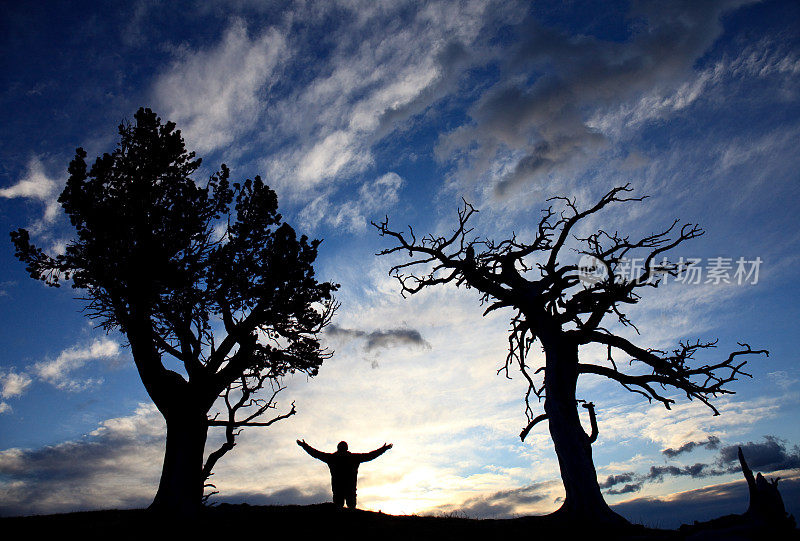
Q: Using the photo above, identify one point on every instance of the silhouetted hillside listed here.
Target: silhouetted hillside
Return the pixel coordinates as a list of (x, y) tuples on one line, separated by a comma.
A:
[(324, 521)]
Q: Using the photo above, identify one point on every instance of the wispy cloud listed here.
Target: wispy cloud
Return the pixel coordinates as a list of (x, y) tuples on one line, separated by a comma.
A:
[(688, 421), (38, 186), (35, 185), (536, 121), (378, 66), (14, 384), (216, 94), (756, 61), (374, 197), (60, 371), (371, 86)]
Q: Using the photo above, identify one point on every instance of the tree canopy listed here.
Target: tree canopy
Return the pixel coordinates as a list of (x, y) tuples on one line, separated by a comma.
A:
[(206, 273)]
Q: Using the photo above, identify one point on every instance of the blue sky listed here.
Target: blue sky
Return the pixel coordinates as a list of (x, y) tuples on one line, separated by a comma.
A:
[(356, 110)]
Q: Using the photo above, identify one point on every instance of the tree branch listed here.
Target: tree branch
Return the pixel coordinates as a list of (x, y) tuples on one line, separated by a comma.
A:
[(534, 422)]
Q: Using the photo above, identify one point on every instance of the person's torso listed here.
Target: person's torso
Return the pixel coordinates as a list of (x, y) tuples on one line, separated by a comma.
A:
[(344, 468)]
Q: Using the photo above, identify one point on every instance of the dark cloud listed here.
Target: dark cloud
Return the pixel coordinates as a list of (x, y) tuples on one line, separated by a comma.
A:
[(336, 331), (503, 504), (768, 456), (554, 82), (118, 467), (379, 339), (712, 443), (394, 338), (633, 482), (613, 480), (626, 489), (701, 504), (287, 496), (75, 460), (65, 462), (695, 471)]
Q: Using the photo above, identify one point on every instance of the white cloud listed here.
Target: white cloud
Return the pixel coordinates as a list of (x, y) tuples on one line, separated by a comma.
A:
[(372, 76), (374, 197), (782, 379), (382, 193), (377, 76), (217, 94), (14, 384), (57, 371), (327, 158), (758, 61), (145, 422), (685, 421), (37, 185)]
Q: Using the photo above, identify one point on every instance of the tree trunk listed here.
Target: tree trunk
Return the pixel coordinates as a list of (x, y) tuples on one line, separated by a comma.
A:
[(583, 497), (180, 490), (184, 406)]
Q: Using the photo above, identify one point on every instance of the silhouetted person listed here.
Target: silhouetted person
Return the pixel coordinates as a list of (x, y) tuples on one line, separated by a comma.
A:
[(344, 469)]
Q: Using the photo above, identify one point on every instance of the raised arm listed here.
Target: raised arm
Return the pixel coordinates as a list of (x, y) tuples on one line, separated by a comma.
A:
[(319, 455), (372, 455)]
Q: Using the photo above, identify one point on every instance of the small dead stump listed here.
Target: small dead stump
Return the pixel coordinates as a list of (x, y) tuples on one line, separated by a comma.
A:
[(766, 503)]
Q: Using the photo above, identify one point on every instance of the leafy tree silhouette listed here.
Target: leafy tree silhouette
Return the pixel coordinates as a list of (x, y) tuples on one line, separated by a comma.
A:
[(210, 276), (562, 308)]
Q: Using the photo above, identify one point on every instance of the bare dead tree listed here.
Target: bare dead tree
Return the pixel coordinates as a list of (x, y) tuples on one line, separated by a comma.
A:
[(562, 307)]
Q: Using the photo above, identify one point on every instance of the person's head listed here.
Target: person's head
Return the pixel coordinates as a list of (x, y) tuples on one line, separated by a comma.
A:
[(342, 447)]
